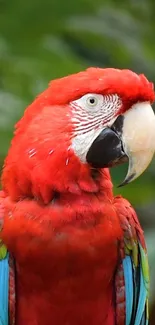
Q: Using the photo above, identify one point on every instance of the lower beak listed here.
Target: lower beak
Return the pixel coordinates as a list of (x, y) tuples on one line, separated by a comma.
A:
[(131, 138)]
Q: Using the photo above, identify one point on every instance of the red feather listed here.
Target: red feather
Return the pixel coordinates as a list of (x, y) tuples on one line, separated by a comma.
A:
[(66, 254)]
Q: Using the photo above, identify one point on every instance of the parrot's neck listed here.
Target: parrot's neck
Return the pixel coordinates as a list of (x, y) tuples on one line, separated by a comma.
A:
[(96, 187), (61, 250)]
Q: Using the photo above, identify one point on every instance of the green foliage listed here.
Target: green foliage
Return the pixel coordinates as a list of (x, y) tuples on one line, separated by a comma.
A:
[(40, 41)]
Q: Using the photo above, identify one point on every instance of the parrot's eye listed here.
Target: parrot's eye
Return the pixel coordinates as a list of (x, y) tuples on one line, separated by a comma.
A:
[(101, 107), (91, 101)]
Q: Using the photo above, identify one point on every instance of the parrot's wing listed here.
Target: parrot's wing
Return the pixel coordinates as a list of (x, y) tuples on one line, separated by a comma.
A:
[(7, 282), (132, 275)]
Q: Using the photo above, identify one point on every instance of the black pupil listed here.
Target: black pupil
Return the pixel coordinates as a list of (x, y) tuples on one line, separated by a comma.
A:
[(92, 100)]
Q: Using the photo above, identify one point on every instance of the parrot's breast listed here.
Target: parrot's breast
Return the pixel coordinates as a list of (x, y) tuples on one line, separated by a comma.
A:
[(65, 261)]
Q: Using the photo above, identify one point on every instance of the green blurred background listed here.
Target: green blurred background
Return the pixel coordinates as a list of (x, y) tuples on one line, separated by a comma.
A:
[(42, 40)]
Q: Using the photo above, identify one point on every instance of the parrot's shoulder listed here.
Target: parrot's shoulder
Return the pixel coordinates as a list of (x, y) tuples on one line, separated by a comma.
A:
[(132, 275), (129, 219), (7, 277)]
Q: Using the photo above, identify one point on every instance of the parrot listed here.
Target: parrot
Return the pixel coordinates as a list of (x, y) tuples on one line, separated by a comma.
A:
[(71, 252)]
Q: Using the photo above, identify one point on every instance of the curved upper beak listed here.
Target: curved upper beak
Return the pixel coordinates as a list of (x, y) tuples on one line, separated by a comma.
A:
[(130, 138)]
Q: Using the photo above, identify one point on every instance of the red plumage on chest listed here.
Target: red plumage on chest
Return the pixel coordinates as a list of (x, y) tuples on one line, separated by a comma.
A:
[(65, 258)]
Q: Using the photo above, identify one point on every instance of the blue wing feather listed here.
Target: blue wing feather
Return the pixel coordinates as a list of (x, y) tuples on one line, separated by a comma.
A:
[(144, 321), (4, 289), (141, 301), (135, 297), (128, 278)]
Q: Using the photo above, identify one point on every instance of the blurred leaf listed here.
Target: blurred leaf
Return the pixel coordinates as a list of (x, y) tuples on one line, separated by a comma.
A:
[(115, 28)]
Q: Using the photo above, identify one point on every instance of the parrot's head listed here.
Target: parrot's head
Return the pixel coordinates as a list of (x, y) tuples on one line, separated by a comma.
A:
[(82, 123)]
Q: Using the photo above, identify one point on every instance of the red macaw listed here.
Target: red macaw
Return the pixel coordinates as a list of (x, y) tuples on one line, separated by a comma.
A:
[(72, 253)]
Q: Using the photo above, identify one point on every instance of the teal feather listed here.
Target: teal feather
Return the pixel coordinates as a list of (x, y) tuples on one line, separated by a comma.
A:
[(136, 291), (128, 278), (4, 289), (141, 300)]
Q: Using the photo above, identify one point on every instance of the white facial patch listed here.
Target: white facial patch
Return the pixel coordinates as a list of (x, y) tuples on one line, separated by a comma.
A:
[(90, 115)]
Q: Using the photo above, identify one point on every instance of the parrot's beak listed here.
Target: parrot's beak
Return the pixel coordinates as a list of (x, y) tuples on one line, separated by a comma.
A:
[(130, 138)]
